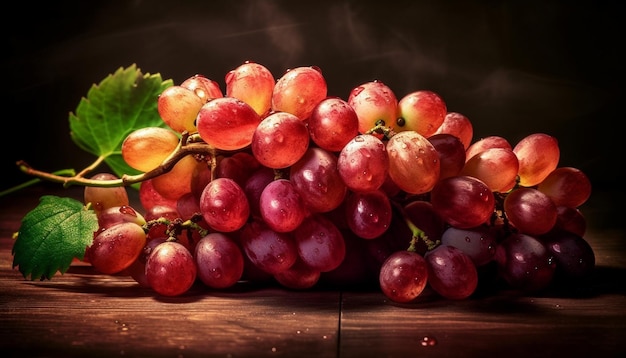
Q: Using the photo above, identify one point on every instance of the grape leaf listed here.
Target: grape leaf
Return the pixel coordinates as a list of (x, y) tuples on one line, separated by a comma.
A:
[(120, 103), (52, 235)]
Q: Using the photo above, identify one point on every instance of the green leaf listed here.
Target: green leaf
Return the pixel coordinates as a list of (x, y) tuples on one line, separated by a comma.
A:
[(52, 235), (121, 103)]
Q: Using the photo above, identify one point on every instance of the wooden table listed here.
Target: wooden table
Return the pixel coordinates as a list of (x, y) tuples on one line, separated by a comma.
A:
[(86, 314)]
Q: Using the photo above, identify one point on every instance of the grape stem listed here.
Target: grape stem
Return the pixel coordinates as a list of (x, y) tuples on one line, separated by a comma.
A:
[(188, 145), (417, 233)]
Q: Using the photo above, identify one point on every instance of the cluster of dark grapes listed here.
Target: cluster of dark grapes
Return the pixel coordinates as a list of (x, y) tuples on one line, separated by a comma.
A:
[(289, 185)]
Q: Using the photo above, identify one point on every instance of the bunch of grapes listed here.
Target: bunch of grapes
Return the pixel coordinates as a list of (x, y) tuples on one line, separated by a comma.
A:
[(282, 183)]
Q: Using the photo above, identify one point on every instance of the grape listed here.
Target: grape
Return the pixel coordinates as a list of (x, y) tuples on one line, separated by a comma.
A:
[(280, 140), (252, 83), (566, 186), (269, 250), (238, 167), (219, 261), (224, 205), (530, 211), (177, 182), (496, 167), (479, 243), (117, 214), (488, 142), (203, 87), (363, 163), (318, 181), (254, 186), (299, 90), (149, 197), (187, 206), (524, 262), (332, 124), (403, 276), (570, 219), (451, 272), (368, 214), (137, 270), (538, 156), (102, 198), (422, 214), (178, 107), (281, 206), (146, 148), (227, 123), (574, 257), (421, 111), (459, 126), (200, 177), (116, 247), (463, 201), (374, 102), (171, 269), (320, 243), (413, 162), (451, 154), (299, 276)]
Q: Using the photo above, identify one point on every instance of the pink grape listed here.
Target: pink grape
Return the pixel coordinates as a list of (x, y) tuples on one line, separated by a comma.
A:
[(413, 162), (422, 111), (368, 214), (252, 83), (320, 243), (299, 90), (171, 269), (530, 211), (451, 272), (299, 276), (458, 125), (117, 214), (178, 106), (269, 250), (496, 167), (538, 156), (333, 123), (281, 206), (224, 205), (524, 262), (219, 261), (403, 276), (566, 186), (102, 198), (238, 167), (478, 243), (318, 181), (227, 123), (203, 87), (484, 143), (363, 163), (451, 154), (374, 102), (280, 140), (254, 186), (463, 201), (570, 219), (116, 247)]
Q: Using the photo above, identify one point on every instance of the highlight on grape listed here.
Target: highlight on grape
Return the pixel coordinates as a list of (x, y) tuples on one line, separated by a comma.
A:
[(274, 181)]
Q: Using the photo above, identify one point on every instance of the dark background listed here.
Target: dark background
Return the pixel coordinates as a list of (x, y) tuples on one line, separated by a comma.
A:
[(512, 67)]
